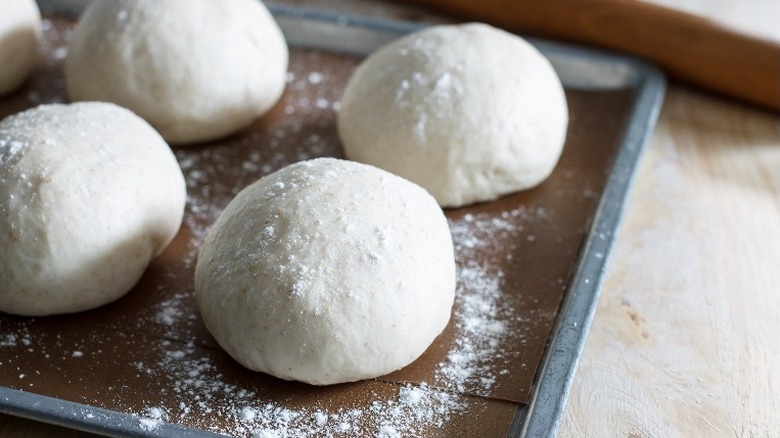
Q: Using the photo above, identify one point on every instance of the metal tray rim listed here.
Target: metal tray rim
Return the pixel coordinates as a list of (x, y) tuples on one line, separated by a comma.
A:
[(559, 365)]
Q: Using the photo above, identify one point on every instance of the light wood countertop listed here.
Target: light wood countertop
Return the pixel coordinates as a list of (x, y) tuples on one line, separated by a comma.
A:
[(684, 341), (686, 338)]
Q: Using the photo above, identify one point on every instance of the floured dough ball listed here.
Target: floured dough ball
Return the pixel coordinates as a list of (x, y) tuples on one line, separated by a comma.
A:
[(20, 31), (327, 271), (89, 194), (469, 112), (196, 70)]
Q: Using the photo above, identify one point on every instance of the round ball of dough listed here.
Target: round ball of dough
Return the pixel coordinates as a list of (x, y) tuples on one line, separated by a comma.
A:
[(89, 194), (327, 271), (20, 31), (469, 112), (196, 70)]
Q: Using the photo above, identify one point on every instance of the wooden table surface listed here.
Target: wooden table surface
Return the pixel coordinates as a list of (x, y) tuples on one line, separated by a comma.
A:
[(686, 338)]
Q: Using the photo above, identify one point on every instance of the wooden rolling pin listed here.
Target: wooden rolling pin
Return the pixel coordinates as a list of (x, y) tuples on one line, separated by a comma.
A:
[(690, 49)]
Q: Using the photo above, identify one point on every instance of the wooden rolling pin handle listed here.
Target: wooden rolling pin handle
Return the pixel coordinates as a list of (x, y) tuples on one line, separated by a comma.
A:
[(690, 49)]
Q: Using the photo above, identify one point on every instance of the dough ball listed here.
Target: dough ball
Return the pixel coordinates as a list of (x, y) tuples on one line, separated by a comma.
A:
[(327, 271), (196, 70), (469, 112), (20, 31), (89, 194)]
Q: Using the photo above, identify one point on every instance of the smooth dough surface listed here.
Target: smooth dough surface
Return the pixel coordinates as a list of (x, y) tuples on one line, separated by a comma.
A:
[(195, 69), (89, 194), (469, 112), (327, 271), (20, 31)]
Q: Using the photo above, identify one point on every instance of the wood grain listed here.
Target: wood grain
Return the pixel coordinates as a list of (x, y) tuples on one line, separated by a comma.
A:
[(689, 48), (684, 342)]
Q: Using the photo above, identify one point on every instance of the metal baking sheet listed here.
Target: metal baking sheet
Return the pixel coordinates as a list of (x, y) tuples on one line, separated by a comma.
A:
[(540, 253)]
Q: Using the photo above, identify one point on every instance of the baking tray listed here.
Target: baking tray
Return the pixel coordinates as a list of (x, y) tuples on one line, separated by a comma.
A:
[(530, 267)]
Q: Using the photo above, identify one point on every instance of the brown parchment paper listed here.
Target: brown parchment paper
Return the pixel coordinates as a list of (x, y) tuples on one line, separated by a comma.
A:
[(150, 349)]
